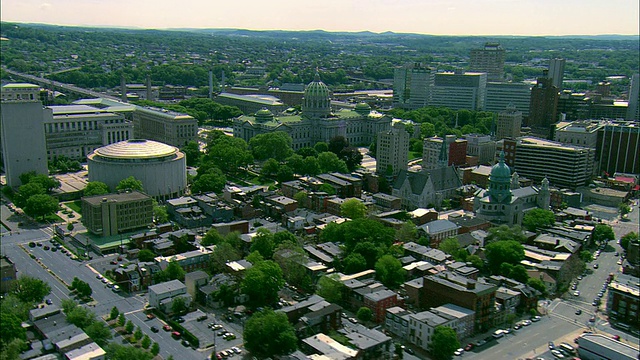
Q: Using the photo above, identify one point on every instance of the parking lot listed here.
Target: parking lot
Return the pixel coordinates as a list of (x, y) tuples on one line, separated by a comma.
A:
[(203, 328)]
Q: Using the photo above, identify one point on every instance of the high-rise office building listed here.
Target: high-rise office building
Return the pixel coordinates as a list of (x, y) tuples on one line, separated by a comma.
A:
[(490, 60), (509, 123), (481, 146), (618, 148), (633, 109), (459, 90), (501, 94), (412, 85), (556, 72), (22, 131), (392, 150), (579, 132), (544, 104)]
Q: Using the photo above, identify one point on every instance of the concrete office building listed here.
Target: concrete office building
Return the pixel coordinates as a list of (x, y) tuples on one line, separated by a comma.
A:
[(459, 90), (623, 300), (618, 147), (580, 132), (76, 130), (161, 168), (490, 60), (544, 104), (8, 274), (509, 123), (481, 146), (317, 122), (22, 132), (633, 109), (112, 214), (556, 72), (564, 165), (501, 94), (412, 86), (393, 150), (251, 103), (164, 126)]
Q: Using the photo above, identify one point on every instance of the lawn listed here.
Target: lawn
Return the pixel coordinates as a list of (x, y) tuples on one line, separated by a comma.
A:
[(75, 205)]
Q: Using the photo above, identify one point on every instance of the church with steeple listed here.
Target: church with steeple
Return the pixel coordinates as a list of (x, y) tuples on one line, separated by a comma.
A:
[(428, 188), (317, 121), (505, 202)]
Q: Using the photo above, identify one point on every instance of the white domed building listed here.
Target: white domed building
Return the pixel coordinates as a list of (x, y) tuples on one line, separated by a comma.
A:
[(161, 168)]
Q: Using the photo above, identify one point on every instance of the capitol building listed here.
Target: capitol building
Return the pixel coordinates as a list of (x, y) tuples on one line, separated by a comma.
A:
[(317, 122), (161, 168)]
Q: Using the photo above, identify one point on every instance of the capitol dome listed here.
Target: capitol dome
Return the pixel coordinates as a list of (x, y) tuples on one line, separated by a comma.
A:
[(316, 102), (363, 108), (161, 168), (264, 115)]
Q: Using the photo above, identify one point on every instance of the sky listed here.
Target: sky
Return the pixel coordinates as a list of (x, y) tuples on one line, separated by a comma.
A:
[(438, 17)]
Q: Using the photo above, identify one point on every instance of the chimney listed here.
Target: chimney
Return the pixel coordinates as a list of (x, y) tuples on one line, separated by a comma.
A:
[(123, 88), (471, 285)]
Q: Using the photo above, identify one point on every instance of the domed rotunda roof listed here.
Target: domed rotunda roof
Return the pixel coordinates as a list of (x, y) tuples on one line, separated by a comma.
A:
[(501, 171), (136, 149)]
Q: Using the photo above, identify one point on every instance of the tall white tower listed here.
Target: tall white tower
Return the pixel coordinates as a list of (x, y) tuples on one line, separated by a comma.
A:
[(22, 119), (556, 72), (633, 111)]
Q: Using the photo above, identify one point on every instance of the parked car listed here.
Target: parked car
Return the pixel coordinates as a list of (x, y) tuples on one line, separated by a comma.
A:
[(595, 266), (557, 354), (49, 302), (459, 352), (176, 334), (536, 318), (468, 347), (154, 329), (150, 316), (185, 343), (578, 312), (167, 328)]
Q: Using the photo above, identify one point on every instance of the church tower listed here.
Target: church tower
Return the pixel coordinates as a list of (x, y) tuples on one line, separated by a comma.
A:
[(544, 196), (500, 182)]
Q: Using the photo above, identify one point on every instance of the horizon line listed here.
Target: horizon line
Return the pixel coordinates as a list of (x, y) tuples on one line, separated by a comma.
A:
[(120, 27)]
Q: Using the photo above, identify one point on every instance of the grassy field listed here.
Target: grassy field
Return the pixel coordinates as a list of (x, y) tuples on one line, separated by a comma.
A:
[(75, 205)]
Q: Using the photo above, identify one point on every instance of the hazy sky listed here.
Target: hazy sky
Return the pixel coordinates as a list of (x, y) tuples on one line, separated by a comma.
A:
[(442, 17)]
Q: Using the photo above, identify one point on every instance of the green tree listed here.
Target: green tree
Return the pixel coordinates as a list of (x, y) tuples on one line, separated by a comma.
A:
[(603, 233), (500, 252), (116, 351), (624, 209), (270, 167), (262, 283), (353, 209), (146, 342), (354, 263), (311, 166), (178, 305), (81, 317), (330, 288), (538, 218), (226, 152), (263, 243), (155, 349), (129, 327), (70, 226), (276, 145), (99, 332), (121, 319), (29, 289), (267, 334), (330, 190), (130, 183), (146, 255), (41, 205), (94, 188), (160, 214), (26, 191), (212, 237), (12, 349), (83, 289), (538, 285), (408, 232), (389, 271), (211, 181), (475, 261), (450, 245), (444, 342), (330, 162), (47, 182), (285, 173), (11, 327), (114, 313), (192, 151), (628, 238), (337, 144), (586, 256), (364, 314), (321, 147), (519, 273), (351, 157), (503, 232), (137, 335)]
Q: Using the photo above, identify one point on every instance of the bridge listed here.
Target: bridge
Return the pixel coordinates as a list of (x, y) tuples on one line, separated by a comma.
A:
[(62, 87)]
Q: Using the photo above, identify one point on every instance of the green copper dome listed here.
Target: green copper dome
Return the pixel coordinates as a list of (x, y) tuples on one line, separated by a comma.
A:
[(363, 108), (500, 182), (316, 101), (501, 171), (264, 115)]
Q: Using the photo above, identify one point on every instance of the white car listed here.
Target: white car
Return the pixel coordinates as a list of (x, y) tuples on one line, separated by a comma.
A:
[(557, 354), (459, 352), (576, 293)]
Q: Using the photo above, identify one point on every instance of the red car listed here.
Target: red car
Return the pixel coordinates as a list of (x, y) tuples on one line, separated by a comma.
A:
[(616, 337), (114, 262), (468, 347), (167, 328)]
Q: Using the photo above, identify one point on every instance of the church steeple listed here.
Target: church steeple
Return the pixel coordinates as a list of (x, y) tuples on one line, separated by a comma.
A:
[(443, 158)]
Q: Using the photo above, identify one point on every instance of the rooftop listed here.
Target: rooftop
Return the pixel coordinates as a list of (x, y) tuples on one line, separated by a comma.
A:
[(122, 197), (136, 149)]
